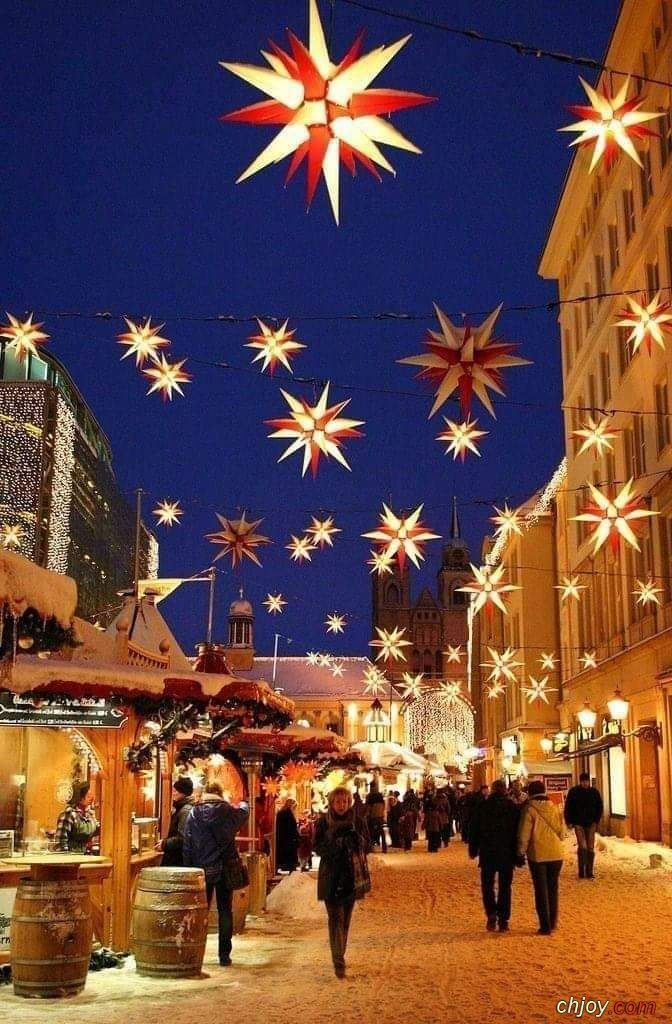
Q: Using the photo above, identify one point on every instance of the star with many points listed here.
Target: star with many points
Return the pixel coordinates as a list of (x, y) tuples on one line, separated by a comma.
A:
[(300, 548), (167, 377), (402, 536), (502, 665), (488, 588), (507, 520), (381, 562), (588, 659), (328, 113), (11, 536), (335, 623), (647, 320), (647, 592), (168, 513), (450, 689), (337, 668), (495, 690), (611, 517), (142, 340), (312, 657), (391, 644), (274, 604), (570, 587), (238, 538), (276, 345), (461, 437), (454, 653), (317, 429), (548, 661), (322, 530), (412, 688), (597, 435), (24, 336), (537, 689)]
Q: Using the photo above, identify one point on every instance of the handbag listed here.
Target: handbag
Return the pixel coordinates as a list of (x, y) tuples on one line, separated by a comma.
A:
[(235, 874)]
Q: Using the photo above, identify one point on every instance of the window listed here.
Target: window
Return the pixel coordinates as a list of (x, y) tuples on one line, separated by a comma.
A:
[(628, 213), (664, 15), (628, 452), (668, 252), (577, 317), (662, 415), (609, 467), (600, 281), (652, 278), (639, 449), (665, 141), (592, 394), (567, 349), (587, 307), (624, 349), (614, 253), (646, 177), (664, 524), (605, 382)]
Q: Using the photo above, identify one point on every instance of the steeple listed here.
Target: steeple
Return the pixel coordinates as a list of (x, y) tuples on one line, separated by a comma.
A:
[(455, 522)]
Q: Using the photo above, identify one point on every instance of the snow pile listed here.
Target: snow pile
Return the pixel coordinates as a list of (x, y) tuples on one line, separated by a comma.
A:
[(25, 585), (295, 897)]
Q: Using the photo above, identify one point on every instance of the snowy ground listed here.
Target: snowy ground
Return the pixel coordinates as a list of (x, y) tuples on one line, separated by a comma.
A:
[(418, 954)]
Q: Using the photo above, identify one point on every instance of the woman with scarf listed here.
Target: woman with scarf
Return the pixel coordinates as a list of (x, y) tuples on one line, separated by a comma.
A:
[(77, 824), (540, 835), (343, 876)]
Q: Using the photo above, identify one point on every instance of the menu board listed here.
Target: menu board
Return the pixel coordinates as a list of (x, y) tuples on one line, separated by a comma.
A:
[(60, 712)]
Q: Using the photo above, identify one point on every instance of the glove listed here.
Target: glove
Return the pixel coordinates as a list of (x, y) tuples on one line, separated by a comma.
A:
[(519, 860)]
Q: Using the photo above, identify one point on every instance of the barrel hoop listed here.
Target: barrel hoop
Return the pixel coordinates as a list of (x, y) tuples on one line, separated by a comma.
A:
[(54, 960), (19, 918)]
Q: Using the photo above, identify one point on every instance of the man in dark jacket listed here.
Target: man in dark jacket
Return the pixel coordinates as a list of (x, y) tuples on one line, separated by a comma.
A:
[(492, 838), (183, 789), (209, 842), (583, 810)]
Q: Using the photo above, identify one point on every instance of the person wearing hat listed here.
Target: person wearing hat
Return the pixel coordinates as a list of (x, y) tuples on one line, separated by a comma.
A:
[(172, 845), (540, 835)]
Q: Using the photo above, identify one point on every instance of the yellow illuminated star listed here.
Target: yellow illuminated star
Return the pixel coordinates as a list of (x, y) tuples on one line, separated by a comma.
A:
[(451, 689), (391, 644), (488, 588), (596, 436), (454, 653), (317, 429), (548, 661), (647, 592), (12, 536), (274, 603), (324, 660), (312, 657), (612, 516), (337, 668), (167, 377), (402, 536), (589, 659), (570, 587), (648, 321), (461, 437), (322, 530), (238, 539), (381, 562), (538, 689), (168, 513), (276, 346), (412, 687), (300, 548), (507, 520), (24, 336), (502, 665), (143, 341), (495, 690), (335, 623)]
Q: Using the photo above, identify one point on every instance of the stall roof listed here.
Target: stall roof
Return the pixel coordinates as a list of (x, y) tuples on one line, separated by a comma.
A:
[(393, 755), (25, 585), (293, 738), (297, 678)]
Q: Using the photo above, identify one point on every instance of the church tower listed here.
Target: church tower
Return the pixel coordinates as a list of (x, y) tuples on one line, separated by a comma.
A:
[(453, 574), (391, 599), (240, 647)]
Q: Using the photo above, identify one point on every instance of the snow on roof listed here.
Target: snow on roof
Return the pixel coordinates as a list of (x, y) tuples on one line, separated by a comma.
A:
[(149, 631), (297, 678), (388, 755), (26, 585)]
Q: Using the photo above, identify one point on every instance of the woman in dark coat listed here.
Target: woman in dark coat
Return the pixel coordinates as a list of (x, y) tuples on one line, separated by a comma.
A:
[(287, 838), (341, 845)]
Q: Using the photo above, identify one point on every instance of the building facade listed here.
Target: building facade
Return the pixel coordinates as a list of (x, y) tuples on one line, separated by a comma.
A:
[(58, 491), (612, 234)]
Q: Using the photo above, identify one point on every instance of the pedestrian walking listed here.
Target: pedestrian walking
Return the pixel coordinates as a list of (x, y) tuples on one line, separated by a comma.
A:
[(517, 793), (287, 838), (210, 843), (493, 836), (395, 809), (343, 875), (432, 821), (375, 807), (540, 835), (171, 846), (583, 810)]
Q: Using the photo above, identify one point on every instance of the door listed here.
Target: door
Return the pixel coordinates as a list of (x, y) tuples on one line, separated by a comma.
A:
[(650, 789)]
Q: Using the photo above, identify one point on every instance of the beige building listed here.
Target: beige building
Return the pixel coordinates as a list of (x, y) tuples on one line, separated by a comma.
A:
[(612, 233)]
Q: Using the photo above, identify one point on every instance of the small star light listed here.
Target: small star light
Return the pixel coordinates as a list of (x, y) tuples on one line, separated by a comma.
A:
[(391, 644), (300, 548), (570, 587), (335, 623), (374, 684), (612, 517), (402, 536), (312, 657), (381, 562), (647, 321), (548, 661), (274, 603), (611, 123), (495, 690), (167, 377), (589, 659), (168, 513), (322, 530), (271, 787), (488, 588), (143, 341), (506, 520), (454, 653), (238, 539), (596, 436), (324, 660), (337, 669), (451, 689), (647, 592), (502, 665), (11, 536), (538, 689), (276, 346), (317, 429), (412, 687), (461, 437), (24, 336)]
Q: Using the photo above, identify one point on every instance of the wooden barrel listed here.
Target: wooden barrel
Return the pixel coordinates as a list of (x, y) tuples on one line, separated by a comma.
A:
[(170, 922), (50, 939)]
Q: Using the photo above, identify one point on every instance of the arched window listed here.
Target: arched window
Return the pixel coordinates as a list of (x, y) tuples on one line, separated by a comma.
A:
[(427, 662), (439, 663), (458, 596), (392, 595)]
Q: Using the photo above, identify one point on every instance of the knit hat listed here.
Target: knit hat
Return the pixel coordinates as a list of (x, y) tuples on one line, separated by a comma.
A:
[(536, 788), (184, 785)]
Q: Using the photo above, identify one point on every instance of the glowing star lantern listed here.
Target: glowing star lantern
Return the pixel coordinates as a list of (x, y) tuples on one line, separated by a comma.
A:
[(328, 113), (271, 787), (548, 661), (24, 336), (612, 517), (238, 538), (381, 562), (454, 653), (461, 437), (647, 322), (375, 685), (451, 689), (596, 436), (337, 669), (312, 657), (391, 644), (402, 536), (11, 536), (506, 520), (300, 548), (322, 530), (611, 123), (502, 665), (464, 359), (143, 341), (167, 377), (412, 688), (570, 587), (373, 672), (589, 659), (274, 604), (335, 623), (538, 689), (168, 513), (324, 660), (496, 690), (647, 592), (317, 429), (275, 346), (488, 588)]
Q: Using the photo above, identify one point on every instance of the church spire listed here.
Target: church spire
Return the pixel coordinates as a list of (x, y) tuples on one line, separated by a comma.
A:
[(455, 522)]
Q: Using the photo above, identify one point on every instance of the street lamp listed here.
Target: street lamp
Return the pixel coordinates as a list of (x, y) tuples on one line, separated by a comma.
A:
[(618, 707), (587, 717), (546, 744)]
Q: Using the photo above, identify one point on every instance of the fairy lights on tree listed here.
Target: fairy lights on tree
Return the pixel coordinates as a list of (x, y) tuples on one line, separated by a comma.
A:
[(441, 725)]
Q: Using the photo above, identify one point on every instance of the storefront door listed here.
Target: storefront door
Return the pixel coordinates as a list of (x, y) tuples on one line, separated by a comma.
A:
[(650, 783)]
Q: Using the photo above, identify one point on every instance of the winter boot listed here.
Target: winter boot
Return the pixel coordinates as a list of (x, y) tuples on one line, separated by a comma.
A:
[(581, 854), (590, 861)]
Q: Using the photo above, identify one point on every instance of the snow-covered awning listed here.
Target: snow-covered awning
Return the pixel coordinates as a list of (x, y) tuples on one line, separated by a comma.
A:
[(25, 585), (393, 755), (295, 739)]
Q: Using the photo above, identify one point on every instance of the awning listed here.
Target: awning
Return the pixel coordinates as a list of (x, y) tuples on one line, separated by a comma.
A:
[(591, 747)]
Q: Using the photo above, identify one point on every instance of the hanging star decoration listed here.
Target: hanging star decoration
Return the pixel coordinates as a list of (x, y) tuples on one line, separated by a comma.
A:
[(488, 587), (317, 429), (381, 562), (276, 345), (597, 436), (537, 689), (374, 685), (570, 587), (548, 661), (589, 659), (647, 592), (24, 336), (238, 538), (454, 653), (450, 689), (402, 536), (648, 322), (271, 787), (167, 377), (328, 113), (312, 657), (611, 122), (496, 689), (466, 360), (300, 548), (502, 665), (324, 660), (611, 518), (507, 520), (274, 604), (143, 341), (391, 644), (12, 536), (412, 688), (335, 623), (168, 513), (461, 437), (322, 530), (337, 668), (373, 672)]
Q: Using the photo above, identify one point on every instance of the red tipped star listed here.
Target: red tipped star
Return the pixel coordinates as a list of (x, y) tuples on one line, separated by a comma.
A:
[(317, 429), (24, 336), (402, 536), (238, 539), (276, 345)]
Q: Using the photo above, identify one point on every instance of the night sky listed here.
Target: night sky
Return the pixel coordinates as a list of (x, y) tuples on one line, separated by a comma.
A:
[(118, 194)]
